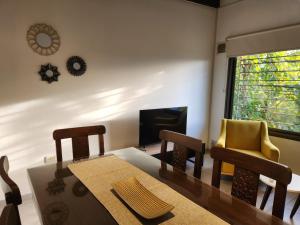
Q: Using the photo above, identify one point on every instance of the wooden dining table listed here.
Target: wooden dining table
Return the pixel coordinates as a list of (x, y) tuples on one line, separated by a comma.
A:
[(61, 198)]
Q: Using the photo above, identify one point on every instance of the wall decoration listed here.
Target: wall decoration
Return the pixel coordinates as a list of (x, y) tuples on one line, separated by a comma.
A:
[(76, 66), (43, 39), (49, 73)]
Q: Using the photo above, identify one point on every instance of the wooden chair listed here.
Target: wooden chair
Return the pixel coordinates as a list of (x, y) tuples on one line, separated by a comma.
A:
[(8, 186), (182, 145), (296, 207), (10, 215), (246, 176), (80, 141)]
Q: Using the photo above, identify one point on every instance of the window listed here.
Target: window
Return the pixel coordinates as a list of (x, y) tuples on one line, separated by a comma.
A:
[(266, 87)]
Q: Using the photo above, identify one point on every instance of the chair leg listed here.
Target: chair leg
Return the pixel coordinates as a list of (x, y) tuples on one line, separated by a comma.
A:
[(296, 206), (202, 154), (18, 215), (266, 197)]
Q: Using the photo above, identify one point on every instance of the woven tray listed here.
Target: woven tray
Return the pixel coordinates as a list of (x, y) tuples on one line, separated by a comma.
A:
[(140, 199)]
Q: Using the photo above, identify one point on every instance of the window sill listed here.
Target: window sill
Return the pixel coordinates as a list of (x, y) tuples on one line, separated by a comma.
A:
[(284, 134)]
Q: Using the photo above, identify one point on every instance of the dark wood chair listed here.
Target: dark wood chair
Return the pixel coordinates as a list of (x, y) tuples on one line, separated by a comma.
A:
[(80, 141), (10, 215), (296, 207), (9, 187), (246, 176), (182, 145)]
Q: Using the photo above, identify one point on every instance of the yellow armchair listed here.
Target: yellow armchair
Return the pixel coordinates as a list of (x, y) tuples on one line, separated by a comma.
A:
[(250, 137)]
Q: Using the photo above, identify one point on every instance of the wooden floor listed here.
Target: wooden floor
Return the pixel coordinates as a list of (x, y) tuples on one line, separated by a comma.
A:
[(29, 215)]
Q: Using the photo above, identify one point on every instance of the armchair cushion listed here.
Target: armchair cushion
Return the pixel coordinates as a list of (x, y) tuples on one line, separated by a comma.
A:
[(243, 135), (227, 169)]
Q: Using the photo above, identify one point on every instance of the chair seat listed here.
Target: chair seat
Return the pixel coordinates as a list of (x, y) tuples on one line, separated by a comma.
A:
[(228, 169)]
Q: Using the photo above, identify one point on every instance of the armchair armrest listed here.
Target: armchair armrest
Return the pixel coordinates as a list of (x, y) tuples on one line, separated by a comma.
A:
[(270, 150), (222, 139), (221, 142)]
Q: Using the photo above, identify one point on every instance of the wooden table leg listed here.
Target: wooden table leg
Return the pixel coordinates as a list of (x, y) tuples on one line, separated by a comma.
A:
[(296, 206), (266, 197)]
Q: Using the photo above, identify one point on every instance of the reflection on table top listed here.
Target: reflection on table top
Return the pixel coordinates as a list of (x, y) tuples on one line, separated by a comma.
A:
[(62, 199)]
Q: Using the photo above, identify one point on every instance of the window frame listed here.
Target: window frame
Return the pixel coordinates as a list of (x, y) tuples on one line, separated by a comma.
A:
[(231, 74)]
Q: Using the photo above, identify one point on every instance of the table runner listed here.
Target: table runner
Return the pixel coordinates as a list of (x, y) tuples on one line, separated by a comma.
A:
[(98, 175)]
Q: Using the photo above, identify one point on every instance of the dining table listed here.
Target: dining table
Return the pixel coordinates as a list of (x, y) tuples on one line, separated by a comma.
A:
[(61, 198)]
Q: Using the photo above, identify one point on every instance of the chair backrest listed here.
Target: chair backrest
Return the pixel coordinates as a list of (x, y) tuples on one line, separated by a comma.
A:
[(246, 176), (243, 134), (182, 145), (10, 215), (8, 186), (80, 141)]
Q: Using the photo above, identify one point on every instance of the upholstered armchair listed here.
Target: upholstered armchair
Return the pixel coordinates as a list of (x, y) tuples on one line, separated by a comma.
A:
[(250, 137)]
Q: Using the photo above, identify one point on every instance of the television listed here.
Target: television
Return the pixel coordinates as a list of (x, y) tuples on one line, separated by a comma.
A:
[(152, 121)]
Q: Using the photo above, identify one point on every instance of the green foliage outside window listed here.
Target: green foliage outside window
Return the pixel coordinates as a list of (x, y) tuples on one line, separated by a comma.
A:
[(267, 87)]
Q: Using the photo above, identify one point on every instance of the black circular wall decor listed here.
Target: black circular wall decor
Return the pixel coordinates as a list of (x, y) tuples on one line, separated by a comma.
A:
[(49, 73), (76, 66)]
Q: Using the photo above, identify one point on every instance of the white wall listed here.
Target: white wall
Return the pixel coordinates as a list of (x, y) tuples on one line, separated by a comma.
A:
[(140, 54), (244, 17)]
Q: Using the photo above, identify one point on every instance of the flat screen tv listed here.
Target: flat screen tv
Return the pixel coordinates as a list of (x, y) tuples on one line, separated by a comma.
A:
[(154, 120)]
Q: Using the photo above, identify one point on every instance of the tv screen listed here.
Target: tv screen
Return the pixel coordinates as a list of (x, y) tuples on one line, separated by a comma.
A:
[(152, 121)]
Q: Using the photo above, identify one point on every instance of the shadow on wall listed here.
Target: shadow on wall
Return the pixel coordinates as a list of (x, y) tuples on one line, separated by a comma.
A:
[(116, 38), (27, 144), (140, 54), (26, 126)]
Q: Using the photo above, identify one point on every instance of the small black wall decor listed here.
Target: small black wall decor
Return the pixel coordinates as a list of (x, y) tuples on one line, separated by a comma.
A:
[(76, 66), (49, 73)]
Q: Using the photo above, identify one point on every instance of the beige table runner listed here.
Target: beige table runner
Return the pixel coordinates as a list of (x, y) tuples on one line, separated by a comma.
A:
[(98, 175)]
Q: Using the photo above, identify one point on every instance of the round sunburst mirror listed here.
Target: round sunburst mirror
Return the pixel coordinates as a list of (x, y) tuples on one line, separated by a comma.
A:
[(43, 39)]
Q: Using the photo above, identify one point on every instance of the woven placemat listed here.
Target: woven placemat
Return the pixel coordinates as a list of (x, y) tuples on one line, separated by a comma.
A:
[(98, 175)]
